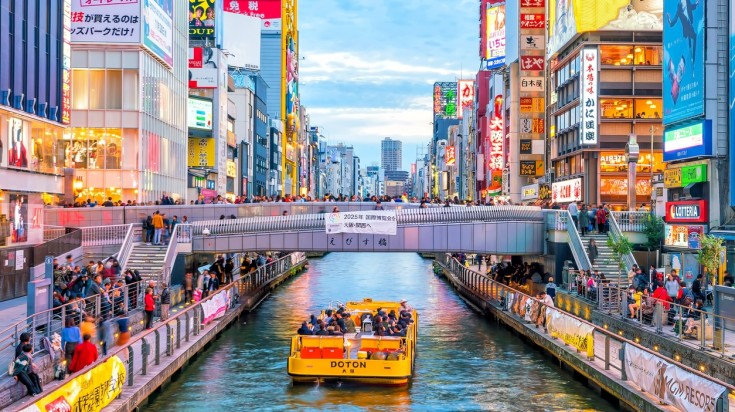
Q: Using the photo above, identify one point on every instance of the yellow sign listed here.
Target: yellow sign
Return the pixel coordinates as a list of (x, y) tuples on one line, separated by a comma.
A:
[(672, 178), (91, 391), (201, 152), (617, 162), (231, 168)]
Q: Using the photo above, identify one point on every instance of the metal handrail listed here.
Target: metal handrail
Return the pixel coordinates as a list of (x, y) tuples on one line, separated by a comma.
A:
[(403, 217), (616, 234), (562, 220), (104, 235), (631, 221), (495, 293), (126, 249), (47, 322), (181, 234)]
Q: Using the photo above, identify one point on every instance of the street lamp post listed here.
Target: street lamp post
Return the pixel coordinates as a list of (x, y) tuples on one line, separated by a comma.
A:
[(632, 152)]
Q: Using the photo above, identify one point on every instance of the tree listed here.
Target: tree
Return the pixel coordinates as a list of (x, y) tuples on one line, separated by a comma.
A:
[(653, 228), (620, 247), (709, 253)]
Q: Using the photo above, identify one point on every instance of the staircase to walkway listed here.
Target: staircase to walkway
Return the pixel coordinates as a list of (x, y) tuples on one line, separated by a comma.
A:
[(606, 261), (147, 259)]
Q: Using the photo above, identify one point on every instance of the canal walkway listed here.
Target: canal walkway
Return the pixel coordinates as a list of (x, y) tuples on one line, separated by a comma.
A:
[(603, 366), (152, 357)]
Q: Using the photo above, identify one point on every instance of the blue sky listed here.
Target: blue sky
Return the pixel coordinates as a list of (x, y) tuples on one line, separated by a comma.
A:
[(368, 67)]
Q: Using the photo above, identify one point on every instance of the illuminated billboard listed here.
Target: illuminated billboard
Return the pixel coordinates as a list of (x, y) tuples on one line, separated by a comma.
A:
[(495, 35), (201, 19), (683, 77), (199, 115), (158, 29), (445, 100), (201, 152), (466, 93), (268, 11), (496, 155), (694, 140), (588, 100), (567, 18)]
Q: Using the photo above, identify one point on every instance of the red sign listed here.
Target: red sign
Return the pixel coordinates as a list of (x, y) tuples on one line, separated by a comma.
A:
[(532, 63), (264, 9), (450, 156), (195, 58), (533, 3), (495, 160), (533, 21), (686, 211)]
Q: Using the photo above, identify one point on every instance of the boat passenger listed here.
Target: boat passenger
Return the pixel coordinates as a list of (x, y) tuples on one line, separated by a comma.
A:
[(405, 306), (305, 330), (328, 318), (321, 332), (340, 322), (333, 331), (349, 323), (392, 315)]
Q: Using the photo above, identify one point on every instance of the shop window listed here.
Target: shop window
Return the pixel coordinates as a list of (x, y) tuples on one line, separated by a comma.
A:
[(648, 55), (616, 109), (113, 90), (45, 150), (96, 89), (616, 55), (647, 108), (130, 90), (93, 149), (80, 89)]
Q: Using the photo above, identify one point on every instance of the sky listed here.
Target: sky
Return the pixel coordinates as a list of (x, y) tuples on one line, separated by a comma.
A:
[(368, 67)]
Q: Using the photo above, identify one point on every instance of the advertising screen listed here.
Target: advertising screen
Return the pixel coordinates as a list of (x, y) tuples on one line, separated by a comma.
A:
[(689, 141), (201, 19), (18, 143), (445, 100), (495, 28), (683, 76), (202, 68), (18, 218), (113, 21), (685, 236), (158, 29), (567, 18), (243, 54), (199, 114), (201, 152), (268, 11)]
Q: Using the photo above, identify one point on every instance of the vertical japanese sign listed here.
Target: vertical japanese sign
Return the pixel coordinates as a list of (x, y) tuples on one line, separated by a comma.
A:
[(450, 155), (466, 93), (495, 34), (532, 70), (496, 158), (445, 100), (109, 21), (66, 66), (588, 79)]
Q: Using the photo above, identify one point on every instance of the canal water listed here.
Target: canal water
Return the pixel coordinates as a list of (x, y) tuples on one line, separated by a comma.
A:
[(464, 361)]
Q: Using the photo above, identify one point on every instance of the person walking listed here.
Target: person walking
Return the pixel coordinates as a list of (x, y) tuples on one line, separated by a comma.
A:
[(84, 354), (71, 336), (189, 287), (601, 220), (574, 211), (157, 228), (592, 251), (584, 220), (165, 302), (150, 306)]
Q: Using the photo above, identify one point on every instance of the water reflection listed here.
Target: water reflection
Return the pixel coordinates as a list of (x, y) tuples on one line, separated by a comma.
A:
[(464, 362)]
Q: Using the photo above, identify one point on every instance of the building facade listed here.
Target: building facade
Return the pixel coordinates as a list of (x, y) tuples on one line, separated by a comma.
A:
[(391, 154)]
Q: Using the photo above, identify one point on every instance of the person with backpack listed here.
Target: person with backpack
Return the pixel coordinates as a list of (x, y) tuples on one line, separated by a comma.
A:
[(25, 371), (148, 230)]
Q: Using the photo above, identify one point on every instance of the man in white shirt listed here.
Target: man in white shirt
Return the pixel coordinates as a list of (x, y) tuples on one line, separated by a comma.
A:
[(572, 208)]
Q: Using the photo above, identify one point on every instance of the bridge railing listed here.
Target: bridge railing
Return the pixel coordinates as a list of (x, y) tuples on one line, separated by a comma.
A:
[(126, 248), (403, 217), (181, 234), (611, 358), (616, 235), (631, 221)]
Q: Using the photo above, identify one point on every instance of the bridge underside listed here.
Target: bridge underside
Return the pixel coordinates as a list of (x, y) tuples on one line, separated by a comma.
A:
[(499, 238)]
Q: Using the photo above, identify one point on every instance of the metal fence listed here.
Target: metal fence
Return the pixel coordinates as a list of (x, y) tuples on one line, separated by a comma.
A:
[(126, 248), (181, 234), (45, 323), (403, 217), (71, 240), (501, 296), (561, 220), (631, 221), (616, 234)]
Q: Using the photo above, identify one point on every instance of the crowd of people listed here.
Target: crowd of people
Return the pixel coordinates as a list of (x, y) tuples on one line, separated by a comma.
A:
[(339, 322)]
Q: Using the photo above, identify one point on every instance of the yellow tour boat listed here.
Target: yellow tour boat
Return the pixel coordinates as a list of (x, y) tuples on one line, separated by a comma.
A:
[(356, 357)]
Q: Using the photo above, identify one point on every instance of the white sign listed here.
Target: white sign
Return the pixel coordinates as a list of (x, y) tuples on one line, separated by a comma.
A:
[(567, 191), (215, 307), (376, 222), (588, 99), (19, 259), (571, 330), (199, 114), (242, 40), (532, 84), (109, 21), (682, 389), (158, 29), (532, 42), (203, 78), (529, 192)]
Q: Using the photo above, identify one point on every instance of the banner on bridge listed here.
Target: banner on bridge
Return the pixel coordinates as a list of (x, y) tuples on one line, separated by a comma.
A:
[(216, 307), (90, 391), (571, 331), (373, 222), (682, 389)]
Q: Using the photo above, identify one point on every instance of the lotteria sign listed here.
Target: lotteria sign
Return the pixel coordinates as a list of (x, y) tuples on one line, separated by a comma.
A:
[(686, 142), (686, 211)]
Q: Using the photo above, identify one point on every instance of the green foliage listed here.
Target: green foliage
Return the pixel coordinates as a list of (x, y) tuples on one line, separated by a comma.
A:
[(709, 254), (653, 228), (620, 248)]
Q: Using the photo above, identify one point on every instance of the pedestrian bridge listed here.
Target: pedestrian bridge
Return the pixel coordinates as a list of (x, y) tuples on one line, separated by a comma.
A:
[(501, 230)]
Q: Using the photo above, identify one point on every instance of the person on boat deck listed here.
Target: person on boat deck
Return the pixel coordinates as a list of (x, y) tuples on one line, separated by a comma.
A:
[(405, 306), (340, 322), (305, 330), (332, 331), (321, 331), (328, 318), (392, 315), (349, 323)]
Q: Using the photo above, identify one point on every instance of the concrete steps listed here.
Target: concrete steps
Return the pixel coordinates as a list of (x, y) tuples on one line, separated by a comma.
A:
[(606, 261), (147, 259)]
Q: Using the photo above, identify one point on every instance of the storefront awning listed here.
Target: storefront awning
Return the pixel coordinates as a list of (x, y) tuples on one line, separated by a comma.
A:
[(723, 234)]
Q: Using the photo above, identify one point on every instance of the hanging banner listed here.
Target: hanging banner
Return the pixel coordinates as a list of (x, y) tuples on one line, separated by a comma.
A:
[(216, 307), (376, 222), (90, 391), (681, 389), (571, 331)]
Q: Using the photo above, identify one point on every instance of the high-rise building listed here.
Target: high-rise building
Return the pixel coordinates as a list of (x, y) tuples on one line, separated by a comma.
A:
[(128, 135), (391, 153)]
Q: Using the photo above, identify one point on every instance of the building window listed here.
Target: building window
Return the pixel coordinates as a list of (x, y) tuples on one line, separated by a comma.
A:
[(648, 55), (104, 89), (616, 55), (616, 109), (647, 108), (93, 149)]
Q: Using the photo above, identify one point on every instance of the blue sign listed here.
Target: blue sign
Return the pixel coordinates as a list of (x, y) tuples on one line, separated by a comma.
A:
[(683, 70), (690, 141)]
